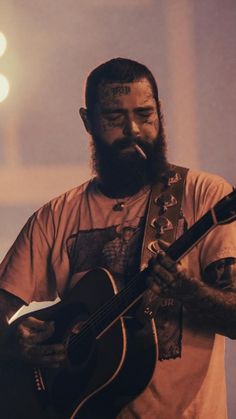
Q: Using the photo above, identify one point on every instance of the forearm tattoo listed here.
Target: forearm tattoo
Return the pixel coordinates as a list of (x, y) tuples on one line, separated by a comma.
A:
[(221, 274), (214, 301)]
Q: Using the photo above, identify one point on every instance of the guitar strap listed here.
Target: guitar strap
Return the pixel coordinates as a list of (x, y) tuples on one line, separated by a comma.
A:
[(164, 221)]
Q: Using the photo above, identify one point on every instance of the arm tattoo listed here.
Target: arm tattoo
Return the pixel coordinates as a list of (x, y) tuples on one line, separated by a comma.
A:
[(214, 300), (221, 274)]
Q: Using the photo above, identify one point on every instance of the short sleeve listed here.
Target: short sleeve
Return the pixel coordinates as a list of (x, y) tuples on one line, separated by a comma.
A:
[(219, 243), (25, 271)]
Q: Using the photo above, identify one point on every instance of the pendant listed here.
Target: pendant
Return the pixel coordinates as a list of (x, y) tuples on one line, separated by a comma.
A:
[(119, 206)]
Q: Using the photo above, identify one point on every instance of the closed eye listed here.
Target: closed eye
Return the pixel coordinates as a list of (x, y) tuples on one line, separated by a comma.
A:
[(113, 117), (145, 112), (144, 115)]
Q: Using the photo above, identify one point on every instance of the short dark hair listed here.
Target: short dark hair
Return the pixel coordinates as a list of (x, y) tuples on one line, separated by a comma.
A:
[(117, 70)]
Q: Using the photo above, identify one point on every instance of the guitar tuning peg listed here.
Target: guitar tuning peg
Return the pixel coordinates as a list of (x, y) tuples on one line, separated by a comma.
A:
[(161, 224), (165, 200)]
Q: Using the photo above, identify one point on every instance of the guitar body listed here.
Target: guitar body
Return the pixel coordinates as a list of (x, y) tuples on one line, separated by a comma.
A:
[(104, 371)]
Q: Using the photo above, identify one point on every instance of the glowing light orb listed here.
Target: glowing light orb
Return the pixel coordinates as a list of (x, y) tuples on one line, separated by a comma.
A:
[(3, 43), (4, 87)]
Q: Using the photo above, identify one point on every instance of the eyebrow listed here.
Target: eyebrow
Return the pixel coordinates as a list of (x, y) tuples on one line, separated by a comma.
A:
[(107, 111)]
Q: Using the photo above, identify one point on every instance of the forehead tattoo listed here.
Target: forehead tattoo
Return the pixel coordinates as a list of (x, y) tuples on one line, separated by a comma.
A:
[(120, 90), (110, 94)]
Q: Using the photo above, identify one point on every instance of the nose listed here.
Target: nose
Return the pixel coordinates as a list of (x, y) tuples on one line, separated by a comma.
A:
[(131, 127)]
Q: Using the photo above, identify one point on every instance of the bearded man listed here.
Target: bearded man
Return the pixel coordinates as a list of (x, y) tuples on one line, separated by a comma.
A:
[(101, 224)]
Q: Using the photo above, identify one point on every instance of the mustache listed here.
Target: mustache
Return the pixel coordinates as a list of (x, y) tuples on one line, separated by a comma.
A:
[(125, 142)]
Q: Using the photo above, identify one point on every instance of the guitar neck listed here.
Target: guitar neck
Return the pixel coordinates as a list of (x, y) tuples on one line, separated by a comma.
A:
[(191, 237)]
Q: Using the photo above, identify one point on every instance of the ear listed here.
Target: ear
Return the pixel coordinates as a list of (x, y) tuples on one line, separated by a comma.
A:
[(84, 116)]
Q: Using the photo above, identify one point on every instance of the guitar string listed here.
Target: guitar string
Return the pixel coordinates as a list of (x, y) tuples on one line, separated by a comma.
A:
[(102, 314)]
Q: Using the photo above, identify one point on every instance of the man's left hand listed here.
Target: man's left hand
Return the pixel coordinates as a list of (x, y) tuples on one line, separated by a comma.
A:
[(169, 278)]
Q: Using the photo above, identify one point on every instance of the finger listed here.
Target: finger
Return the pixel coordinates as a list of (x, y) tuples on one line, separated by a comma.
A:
[(47, 355), (163, 276), (163, 245), (166, 262), (160, 290), (159, 287), (34, 323), (33, 332), (154, 284)]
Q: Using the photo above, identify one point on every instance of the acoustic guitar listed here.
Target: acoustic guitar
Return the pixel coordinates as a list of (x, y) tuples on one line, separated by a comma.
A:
[(110, 355)]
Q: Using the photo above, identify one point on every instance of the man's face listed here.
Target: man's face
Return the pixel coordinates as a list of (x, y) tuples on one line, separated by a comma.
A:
[(125, 111), (128, 141)]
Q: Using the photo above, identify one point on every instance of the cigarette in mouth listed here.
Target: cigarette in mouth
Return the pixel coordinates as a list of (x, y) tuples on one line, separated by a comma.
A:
[(140, 151)]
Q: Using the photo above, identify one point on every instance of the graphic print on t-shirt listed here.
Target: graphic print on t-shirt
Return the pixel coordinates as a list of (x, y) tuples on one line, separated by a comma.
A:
[(116, 248)]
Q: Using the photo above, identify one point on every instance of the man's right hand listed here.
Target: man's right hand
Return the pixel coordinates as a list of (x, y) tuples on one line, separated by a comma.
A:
[(30, 335), (25, 342)]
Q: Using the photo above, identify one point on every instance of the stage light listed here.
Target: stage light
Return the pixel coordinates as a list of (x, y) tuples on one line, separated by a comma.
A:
[(3, 43), (4, 87)]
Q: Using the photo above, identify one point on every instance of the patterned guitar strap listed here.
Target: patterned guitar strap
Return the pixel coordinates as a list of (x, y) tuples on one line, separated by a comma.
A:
[(164, 221)]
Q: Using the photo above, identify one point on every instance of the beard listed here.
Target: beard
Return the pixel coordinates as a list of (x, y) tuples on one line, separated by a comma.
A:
[(121, 170)]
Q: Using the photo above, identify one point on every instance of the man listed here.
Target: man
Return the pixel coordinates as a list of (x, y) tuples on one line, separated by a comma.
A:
[(81, 230)]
